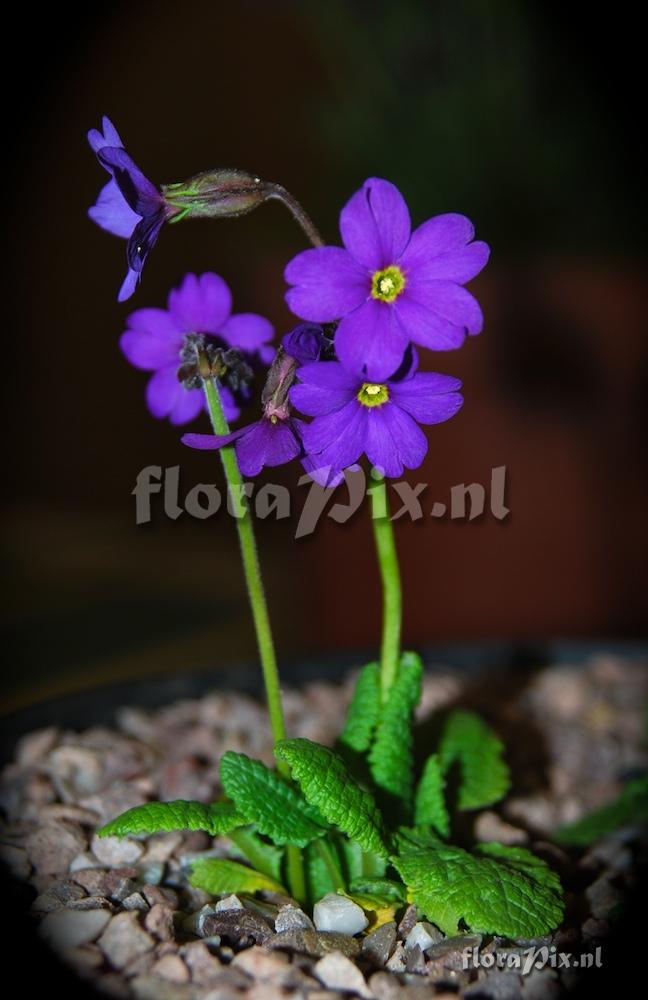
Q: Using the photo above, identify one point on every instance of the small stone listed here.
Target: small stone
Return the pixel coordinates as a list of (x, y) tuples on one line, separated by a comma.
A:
[(315, 943), (86, 959), (397, 960), (52, 847), (238, 926), (124, 940), (292, 917), (385, 986), (153, 872), (203, 966), (380, 944), (501, 984), (408, 920), (603, 897), (116, 850), (32, 747), (92, 903), (159, 921), (135, 901), (340, 914), (541, 984), (70, 928), (337, 972), (82, 861), (227, 904), (261, 964), (117, 883), (161, 847), (423, 935), (76, 771), (16, 860), (148, 987), (58, 896), (414, 960), (489, 827), (171, 967), (165, 897)]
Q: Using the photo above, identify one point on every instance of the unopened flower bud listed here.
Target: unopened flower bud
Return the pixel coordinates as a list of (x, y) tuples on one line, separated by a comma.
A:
[(216, 194)]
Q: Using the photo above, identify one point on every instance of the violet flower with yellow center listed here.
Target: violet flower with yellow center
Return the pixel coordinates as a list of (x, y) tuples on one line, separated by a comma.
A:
[(388, 286)]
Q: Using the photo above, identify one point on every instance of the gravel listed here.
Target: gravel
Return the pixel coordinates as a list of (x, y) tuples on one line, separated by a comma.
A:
[(122, 914)]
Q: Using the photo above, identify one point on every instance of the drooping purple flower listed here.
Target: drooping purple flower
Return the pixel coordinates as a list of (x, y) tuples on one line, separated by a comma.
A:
[(155, 338), (129, 205), (265, 442), (355, 417), (388, 286)]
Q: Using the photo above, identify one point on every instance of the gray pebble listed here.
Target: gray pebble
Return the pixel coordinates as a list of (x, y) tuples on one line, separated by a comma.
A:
[(72, 928)]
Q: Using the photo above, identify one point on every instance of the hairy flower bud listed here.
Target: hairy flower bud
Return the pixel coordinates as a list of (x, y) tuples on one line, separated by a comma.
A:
[(216, 194)]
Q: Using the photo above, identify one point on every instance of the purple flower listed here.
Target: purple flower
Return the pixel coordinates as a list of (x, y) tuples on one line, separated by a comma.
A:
[(305, 343), (389, 286), (129, 205), (155, 338), (354, 416), (268, 441)]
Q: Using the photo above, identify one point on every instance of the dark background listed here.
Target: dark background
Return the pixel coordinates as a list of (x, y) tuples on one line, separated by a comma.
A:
[(524, 117)]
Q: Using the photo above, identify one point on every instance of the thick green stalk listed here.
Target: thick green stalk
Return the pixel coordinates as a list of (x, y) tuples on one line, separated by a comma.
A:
[(391, 583), (256, 593)]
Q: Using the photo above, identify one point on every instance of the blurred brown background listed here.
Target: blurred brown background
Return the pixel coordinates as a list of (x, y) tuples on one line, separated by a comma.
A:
[(507, 112)]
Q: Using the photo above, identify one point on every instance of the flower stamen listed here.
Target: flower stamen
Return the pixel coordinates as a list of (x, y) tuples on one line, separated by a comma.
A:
[(372, 394), (387, 285)]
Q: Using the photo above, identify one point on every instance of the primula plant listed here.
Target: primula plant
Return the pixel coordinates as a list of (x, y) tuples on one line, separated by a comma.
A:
[(344, 386)]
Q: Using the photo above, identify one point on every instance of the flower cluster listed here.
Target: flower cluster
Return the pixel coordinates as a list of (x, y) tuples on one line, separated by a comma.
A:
[(387, 290)]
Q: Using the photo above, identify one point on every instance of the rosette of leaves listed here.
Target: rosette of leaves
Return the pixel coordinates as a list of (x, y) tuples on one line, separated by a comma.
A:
[(367, 823)]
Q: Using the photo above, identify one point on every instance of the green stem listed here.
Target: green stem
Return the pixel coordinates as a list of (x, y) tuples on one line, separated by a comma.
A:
[(256, 593), (391, 583), (326, 852)]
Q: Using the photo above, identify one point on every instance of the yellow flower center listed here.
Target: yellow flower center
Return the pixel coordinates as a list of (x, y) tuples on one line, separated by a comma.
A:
[(387, 284), (372, 394)]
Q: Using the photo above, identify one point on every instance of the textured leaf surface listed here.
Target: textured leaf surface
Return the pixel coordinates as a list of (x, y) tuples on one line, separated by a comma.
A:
[(157, 817), (266, 857), (382, 888), (501, 890), (265, 799), (430, 808), (364, 710), (218, 876), (630, 808), (484, 774), (332, 789), (390, 757)]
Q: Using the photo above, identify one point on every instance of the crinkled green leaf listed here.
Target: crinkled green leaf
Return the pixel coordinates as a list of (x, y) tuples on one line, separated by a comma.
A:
[(629, 809), (332, 789), (390, 757), (266, 857), (429, 807), (364, 711), (218, 876), (157, 817), (484, 776), (500, 890), (265, 799), (385, 889)]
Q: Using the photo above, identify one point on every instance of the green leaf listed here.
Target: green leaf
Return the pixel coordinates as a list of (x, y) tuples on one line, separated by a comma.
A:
[(385, 889), (364, 710), (261, 855), (157, 817), (218, 876), (629, 809), (265, 799), (430, 808), (501, 890), (484, 774), (319, 877), (390, 757), (332, 789)]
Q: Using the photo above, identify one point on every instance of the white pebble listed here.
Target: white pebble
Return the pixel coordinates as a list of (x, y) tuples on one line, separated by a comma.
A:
[(339, 913), (71, 928), (420, 936)]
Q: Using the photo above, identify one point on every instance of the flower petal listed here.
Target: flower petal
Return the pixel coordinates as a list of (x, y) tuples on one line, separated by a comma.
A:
[(212, 442), (370, 341), (315, 401), (337, 439), (231, 409), (437, 236), (394, 440), (427, 328), (247, 331), (454, 265), (428, 396), (151, 341), (267, 444), (329, 284), (449, 301), (329, 375), (163, 390), (200, 304), (140, 193), (375, 224), (188, 404), (129, 284), (108, 137), (112, 212)]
